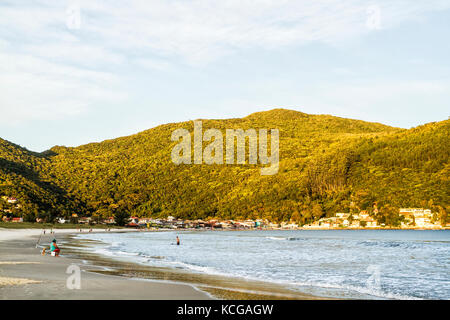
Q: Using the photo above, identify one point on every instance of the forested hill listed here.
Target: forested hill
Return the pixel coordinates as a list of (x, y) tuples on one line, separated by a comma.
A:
[(327, 164)]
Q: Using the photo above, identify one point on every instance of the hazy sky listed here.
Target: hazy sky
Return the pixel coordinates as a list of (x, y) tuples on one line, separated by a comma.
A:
[(73, 72)]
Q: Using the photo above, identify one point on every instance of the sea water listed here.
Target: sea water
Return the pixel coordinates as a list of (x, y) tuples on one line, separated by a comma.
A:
[(351, 264)]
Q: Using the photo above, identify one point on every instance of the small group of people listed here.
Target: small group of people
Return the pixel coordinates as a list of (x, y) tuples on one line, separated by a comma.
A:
[(55, 250)]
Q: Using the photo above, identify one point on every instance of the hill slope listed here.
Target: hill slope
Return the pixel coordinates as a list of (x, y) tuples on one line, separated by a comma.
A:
[(327, 164), (20, 177)]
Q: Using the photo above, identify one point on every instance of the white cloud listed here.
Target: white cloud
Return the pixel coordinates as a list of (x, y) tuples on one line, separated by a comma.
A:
[(156, 64), (32, 88), (49, 70), (76, 53), (200, 31)]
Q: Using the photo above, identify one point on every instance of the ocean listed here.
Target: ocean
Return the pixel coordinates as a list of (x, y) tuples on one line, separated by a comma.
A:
[(349, 264)]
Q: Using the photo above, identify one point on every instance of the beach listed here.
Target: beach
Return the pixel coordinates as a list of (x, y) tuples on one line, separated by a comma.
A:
[(26, 274), (237, 265), (284, 264)]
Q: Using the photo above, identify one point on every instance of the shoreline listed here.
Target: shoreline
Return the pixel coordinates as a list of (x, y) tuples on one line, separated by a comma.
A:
[(26, 274), (7, 234), (12, 227), (20, 259), (219, 286), (214, 275)]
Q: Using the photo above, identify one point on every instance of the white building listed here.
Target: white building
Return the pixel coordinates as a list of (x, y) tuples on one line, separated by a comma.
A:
[(341, 215), (417, 217), (12, 200)]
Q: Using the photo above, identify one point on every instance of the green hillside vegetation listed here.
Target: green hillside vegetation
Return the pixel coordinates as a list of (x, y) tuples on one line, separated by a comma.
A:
[(20, 177), (327, 165)]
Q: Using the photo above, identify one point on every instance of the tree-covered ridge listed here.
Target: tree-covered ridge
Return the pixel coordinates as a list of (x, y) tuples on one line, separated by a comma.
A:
[(20, 177), (327, 164)]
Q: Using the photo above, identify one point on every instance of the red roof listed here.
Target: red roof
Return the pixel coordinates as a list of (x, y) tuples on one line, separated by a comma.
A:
[(132, 224)]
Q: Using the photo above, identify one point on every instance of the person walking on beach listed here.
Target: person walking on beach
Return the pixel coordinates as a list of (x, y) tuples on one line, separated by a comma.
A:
[(178, 241)]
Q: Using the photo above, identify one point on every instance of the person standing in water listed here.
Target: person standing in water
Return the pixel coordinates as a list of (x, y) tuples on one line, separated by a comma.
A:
[(178, 241)]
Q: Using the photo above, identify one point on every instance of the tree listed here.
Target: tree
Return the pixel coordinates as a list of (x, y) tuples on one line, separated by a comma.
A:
[(29, 217), (317, 211), (389, 215), (121, 217), (443, 216), (329, 165)]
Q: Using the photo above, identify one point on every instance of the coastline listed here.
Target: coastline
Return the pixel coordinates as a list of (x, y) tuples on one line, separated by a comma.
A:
[(44, 277), (26, 274), (220, 287), (7, 234)]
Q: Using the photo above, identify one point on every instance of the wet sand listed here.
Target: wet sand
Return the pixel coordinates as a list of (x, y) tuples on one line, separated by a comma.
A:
[(106, 278), (26, 274)]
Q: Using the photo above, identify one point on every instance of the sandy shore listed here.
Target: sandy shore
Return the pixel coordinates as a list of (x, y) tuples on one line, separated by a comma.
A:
[(26, 274), (11, 234)]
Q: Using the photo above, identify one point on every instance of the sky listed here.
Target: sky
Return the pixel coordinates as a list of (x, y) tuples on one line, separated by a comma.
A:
[(74, 72)]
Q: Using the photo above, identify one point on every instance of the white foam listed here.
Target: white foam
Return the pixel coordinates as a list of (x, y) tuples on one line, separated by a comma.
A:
[(319, 265), (277, 238)]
